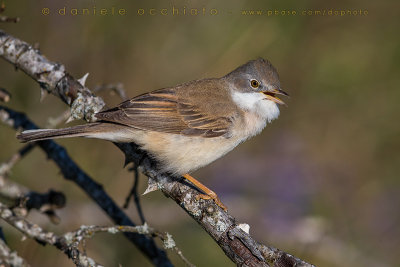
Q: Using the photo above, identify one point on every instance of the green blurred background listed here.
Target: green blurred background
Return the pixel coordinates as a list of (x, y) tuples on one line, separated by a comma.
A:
[(321, 182)]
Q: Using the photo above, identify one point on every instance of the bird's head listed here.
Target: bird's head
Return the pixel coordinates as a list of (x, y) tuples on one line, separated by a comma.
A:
[(255, 86)]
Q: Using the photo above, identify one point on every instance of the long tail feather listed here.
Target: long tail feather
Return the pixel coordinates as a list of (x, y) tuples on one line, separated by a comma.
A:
[(43, 134)]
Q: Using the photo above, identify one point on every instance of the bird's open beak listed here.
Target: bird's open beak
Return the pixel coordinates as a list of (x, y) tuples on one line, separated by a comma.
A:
[(271, 95)]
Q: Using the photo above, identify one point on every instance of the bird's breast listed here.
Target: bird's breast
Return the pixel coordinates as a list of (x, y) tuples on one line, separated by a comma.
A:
[(249, 125), (181, 154), (256, 112)]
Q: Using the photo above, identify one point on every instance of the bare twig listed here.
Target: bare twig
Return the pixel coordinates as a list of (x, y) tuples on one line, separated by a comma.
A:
[(53, 122), (238, 245), (6, 166), (24, 199), (118, 88), (71, 171), (10, 189), (134, 193), (85, 232), (37, 233)]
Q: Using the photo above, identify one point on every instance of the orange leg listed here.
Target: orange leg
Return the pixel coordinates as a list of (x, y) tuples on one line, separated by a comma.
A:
[(209, 194)]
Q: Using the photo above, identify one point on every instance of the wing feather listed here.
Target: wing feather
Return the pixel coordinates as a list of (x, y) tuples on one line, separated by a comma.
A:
[(163, 111)]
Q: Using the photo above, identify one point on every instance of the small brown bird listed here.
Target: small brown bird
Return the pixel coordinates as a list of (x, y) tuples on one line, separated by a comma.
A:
[(190, 125)]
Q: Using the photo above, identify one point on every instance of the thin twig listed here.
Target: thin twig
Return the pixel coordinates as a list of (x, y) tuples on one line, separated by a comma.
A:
[(66, 115), (10, 189), (53, 122), (85, 232), (118, 88), (134, 193), (6, 167), (24, 198), (44, 237)]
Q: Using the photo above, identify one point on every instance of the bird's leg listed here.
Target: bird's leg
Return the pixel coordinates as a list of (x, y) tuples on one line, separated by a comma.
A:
[(208, 193)]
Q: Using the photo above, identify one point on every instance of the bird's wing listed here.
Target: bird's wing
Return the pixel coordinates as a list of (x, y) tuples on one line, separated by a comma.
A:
[(164, 111)]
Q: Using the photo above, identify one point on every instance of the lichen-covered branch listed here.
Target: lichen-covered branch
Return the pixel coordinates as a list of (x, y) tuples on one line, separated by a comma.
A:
[(51, 77), (237, 244), (85, 232), (233, 237), (70, 242), (37, 233)]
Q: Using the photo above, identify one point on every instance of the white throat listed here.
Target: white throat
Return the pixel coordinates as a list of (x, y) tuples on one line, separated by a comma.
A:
[(256, 103), (260, 111)]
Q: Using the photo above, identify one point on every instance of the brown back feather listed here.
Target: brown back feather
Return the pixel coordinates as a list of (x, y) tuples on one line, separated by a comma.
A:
[(170, 110)]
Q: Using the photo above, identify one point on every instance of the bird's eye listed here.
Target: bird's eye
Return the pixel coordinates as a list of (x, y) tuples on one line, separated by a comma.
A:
[(254, 83)]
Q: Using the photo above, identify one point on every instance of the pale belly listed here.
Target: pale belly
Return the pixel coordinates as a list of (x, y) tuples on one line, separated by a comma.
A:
[(181, 154)]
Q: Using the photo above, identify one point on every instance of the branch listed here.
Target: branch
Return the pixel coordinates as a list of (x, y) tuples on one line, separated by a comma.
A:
[(232, 237), (135, 195), (237, 244), (117, 88), (24, 199), (9, 257), (6, 167), (85, 232), (51, 77), (10, 189), (35, 232)]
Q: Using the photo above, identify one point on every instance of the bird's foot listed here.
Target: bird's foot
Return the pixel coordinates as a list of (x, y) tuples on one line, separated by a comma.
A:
[(208, 193), (213, 197)]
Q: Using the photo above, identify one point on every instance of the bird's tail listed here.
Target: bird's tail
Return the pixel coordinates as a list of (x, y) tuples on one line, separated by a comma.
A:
[(86, 130)]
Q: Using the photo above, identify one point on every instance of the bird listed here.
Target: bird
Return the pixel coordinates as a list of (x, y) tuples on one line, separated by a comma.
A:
[(190, 125)]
